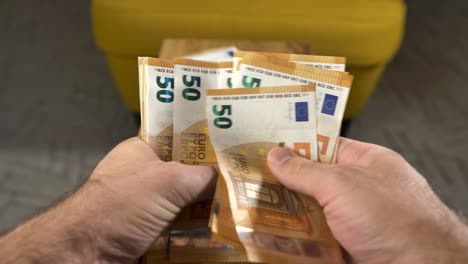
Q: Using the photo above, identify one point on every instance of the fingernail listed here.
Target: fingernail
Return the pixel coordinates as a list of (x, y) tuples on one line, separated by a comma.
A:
[(278, 155)]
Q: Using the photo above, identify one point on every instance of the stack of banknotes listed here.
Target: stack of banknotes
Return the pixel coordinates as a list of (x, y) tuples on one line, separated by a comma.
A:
[(227, 108)]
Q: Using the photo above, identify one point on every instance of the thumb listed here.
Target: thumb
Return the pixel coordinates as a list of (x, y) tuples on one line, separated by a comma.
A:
[(300, 174), (191, 183)]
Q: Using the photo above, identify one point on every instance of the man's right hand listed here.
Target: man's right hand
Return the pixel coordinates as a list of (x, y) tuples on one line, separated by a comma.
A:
[(378, 207)]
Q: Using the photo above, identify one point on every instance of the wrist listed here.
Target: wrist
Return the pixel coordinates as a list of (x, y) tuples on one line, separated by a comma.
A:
[(117, 236), (93, 225), (71, 232), (444, 242), (46, 240)]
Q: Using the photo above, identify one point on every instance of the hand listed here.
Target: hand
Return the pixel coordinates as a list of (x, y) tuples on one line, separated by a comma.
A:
[(143, 194), (378, 207), (117, 214)]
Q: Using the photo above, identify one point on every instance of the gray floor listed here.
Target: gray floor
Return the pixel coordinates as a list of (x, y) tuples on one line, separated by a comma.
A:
[(60, 112)]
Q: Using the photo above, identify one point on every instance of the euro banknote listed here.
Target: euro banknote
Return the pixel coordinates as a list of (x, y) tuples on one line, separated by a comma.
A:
[(272, 223), (156, 85), (214, 55), (294, 64), (156, 103), (277, 71), (331, 63), (167, 90), (191, 144), (332, 95)]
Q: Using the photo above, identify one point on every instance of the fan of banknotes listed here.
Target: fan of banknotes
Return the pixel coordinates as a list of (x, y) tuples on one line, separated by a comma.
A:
[(227, 108)]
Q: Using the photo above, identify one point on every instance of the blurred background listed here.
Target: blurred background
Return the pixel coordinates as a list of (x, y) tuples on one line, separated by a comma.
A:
[(60, 110)]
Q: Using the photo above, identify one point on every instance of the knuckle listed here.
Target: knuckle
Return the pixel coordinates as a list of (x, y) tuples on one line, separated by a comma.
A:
[(300, 167), (338, 171), (381, 149), (342, 177), (396, 157), (207, 172), (172, 164), (387, 152), (129, 142), (171, 167), (156, 164), (336, 174)]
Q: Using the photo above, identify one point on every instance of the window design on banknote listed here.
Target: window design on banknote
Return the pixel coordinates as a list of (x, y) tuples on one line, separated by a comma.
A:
[(260, 194)]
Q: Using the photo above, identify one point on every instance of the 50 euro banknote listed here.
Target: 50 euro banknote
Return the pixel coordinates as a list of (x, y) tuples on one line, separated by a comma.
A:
[(330, 63), (332, 94), (278, 71), (324, 62), (272, 223), (192, 146), (156, 80), (156, 83), (156, 104), (298, 65), (156, 90), (191, 143), (214, 55)]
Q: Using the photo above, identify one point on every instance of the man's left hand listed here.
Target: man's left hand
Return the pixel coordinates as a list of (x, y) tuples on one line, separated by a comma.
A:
[(117, 214)]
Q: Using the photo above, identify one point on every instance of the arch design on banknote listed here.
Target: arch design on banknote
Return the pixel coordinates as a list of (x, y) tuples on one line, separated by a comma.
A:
[(257, 192)]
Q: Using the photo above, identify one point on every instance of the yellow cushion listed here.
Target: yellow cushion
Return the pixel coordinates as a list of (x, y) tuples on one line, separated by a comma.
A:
[(367, 32)]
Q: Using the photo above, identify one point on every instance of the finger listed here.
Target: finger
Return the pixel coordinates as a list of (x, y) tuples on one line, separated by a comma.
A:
[(131, 153), (299, 174), (203, 181), (144, 146), (136, 148), (356, 152), (197, 183)]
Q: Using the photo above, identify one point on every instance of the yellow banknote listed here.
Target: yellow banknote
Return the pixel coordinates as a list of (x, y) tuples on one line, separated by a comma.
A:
[(327, 68), (156, 103), (328, 63), (256, 71), (191, 144), (323, 62), (214, 55), (332, 95), (300, 66), (156, 84), (272, 223)]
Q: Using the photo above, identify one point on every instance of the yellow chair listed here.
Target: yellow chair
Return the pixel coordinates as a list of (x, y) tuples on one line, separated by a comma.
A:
[(367, 32)]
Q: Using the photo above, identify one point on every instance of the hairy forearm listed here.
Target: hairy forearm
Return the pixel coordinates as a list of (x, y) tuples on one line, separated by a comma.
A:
[(85, 228), (444, 243), (57, 236), (128, 200)]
